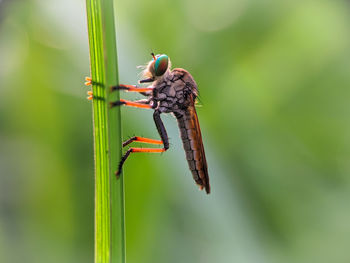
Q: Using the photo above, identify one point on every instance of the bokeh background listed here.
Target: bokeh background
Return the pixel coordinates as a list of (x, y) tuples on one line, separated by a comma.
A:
[(274, 87)]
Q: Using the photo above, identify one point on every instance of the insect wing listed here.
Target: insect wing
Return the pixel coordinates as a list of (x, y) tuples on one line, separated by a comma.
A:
[(202, 161), (193, 145)]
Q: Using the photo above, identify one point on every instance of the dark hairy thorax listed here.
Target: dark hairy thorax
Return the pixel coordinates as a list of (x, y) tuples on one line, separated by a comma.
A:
[(175, 92)]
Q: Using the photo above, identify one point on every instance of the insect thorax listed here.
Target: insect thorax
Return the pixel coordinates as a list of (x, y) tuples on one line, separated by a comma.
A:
[(173, 91)]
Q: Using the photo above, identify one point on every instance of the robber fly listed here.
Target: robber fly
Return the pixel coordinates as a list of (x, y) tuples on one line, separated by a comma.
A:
[(172, 91)]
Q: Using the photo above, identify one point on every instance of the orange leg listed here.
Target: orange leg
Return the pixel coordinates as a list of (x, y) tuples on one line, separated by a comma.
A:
[(130, 103), (163, 135), (130, 88), (141, 139), (147, 150)]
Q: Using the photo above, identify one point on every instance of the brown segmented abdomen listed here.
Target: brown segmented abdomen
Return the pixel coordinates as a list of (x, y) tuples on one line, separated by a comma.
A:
[(192, 141)]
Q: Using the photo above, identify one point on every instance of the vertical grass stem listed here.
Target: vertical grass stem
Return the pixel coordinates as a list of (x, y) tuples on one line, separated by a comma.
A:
[(109, 192)]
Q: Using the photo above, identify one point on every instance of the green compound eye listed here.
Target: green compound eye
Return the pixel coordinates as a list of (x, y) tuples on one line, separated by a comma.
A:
[(161, 65)]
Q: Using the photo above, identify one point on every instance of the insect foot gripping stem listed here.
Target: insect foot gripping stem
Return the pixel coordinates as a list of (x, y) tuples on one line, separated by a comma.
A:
[(88, 82), (90, 95)]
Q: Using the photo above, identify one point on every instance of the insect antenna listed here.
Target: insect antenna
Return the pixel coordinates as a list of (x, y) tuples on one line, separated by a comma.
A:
[(154, 57)]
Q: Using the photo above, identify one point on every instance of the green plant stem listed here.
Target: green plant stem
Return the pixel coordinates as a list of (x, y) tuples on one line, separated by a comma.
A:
[(109, 192)]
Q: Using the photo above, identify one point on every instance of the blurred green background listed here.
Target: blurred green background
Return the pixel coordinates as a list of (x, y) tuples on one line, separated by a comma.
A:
[(274, 83)]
